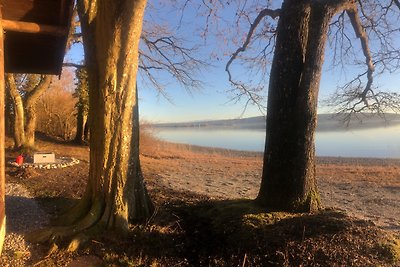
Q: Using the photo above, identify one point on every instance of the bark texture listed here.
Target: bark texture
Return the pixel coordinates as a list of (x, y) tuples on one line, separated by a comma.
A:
[(115, 194), (288, 180)]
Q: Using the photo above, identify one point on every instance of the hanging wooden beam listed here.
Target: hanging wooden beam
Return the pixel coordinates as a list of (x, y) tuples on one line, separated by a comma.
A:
[(30, 27), (2, 139)]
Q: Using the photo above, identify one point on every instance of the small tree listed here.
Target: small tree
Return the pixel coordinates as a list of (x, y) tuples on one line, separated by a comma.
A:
[(25, 90)]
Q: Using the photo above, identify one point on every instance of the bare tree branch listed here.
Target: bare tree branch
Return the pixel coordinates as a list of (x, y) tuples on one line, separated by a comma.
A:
[(167, 53), (265, 12), (253, 94), (360, 33)]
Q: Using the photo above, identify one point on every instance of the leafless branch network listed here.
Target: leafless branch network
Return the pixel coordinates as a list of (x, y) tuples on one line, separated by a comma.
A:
[(254, 93), (375, 25)]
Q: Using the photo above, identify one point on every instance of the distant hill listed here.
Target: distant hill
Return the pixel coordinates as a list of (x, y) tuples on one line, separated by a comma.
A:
[(332, 122), (326, 122), (245, 123)]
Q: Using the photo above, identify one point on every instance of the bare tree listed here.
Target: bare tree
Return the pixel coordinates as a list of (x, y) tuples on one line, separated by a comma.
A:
[(25, 90), (364, 31)]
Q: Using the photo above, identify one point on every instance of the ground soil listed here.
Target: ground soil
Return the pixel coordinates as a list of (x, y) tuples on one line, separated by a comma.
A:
[(196, 192)]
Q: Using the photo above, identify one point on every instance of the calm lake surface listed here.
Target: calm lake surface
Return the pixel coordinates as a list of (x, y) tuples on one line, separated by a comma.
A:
[(377, 142)]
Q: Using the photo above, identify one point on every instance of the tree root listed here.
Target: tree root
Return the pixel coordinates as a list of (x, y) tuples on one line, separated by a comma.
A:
[(76, 234), (75, 213)]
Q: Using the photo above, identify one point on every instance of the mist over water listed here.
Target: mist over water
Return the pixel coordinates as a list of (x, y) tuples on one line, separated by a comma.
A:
[(375, 142)]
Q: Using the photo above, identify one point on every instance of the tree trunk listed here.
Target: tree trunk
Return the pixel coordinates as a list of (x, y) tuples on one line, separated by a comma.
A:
[(30, 126), (30, 109), (19, 117), (86, 133), (115, 193), (8, 113), (80, 124), (288, 180)]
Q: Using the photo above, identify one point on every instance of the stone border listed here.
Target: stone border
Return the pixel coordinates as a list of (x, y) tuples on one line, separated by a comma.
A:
[(61, 162)]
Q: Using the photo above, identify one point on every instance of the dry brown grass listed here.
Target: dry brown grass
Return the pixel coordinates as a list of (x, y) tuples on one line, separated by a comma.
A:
[(191, 229)]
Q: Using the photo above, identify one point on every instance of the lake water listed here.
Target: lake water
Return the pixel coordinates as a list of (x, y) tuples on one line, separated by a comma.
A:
[(377, 142)]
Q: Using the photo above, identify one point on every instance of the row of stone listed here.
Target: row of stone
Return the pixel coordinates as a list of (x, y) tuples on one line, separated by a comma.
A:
[(64, 162)]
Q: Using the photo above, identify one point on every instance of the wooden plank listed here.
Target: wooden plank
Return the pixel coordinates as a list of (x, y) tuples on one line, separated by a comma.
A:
[(2, 139), (38, 11), (30, 27)]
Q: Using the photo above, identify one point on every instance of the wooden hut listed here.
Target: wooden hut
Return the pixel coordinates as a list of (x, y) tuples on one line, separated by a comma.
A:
[(33, 38)]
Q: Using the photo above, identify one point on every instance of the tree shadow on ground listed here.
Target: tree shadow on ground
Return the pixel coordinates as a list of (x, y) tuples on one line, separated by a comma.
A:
[(239, 230), (233, 233)]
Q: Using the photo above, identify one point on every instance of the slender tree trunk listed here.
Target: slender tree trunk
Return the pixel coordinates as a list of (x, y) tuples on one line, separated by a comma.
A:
[(86, 132), (30, 110), (80, 122), (288, 181), (30, 126), (9, 116), (19, 117)]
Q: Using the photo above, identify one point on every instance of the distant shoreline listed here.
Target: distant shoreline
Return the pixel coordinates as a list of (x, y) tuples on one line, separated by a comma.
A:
[(326, 122), (256, 154)]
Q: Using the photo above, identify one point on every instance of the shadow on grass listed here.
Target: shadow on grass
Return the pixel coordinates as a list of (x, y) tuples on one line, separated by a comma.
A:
[(239, 233), (231, 232)]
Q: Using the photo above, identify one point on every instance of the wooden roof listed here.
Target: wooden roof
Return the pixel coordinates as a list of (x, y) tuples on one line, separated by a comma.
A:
[(36, 32)]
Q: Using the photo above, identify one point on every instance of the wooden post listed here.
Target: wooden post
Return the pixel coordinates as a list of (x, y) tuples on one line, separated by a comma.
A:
[(2, 139)]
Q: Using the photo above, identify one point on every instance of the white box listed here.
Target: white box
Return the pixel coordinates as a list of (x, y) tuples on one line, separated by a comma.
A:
[(44, 157)]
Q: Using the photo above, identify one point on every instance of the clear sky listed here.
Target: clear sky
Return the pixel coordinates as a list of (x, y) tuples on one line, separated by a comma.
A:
[(212, 101)]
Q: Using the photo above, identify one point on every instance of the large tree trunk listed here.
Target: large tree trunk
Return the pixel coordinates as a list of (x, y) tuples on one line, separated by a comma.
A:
[(30, 109), (288, 181), (19, 117), (115, 194)]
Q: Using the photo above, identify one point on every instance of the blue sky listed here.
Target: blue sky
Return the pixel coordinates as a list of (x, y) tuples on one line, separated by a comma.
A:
[(212, 102)]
